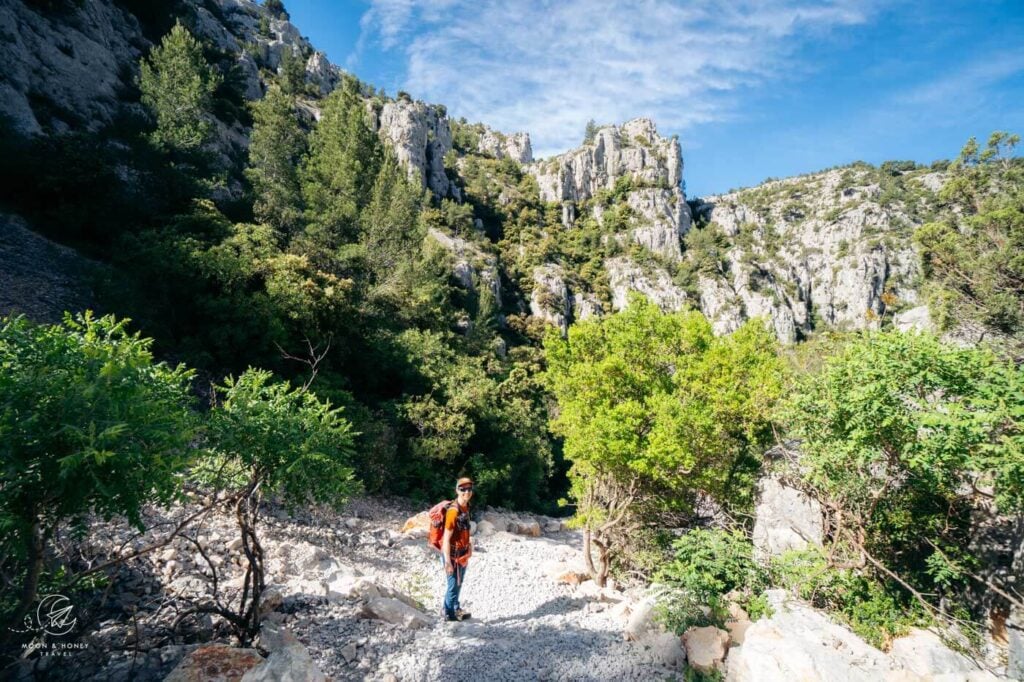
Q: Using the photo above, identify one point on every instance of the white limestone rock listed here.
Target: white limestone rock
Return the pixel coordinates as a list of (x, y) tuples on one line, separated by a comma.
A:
[(819, 249), (625, 275), (515, 146), (206, 27), (586, 306), (915, 319), (470, 263), (321, 73), (924, 653), (251, 76), (666, 648), (549, 300), (396, 612), (663, 219), (66, 73), (785, 519), (289, 661), (420, 136), (705, 648), (800, 643), (642, 624)]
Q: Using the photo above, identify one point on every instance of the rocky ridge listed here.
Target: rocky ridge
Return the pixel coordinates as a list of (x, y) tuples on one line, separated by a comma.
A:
[(831, 248)]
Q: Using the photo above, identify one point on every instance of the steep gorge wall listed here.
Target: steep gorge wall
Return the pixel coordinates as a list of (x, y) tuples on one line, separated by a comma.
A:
[(830, 249)]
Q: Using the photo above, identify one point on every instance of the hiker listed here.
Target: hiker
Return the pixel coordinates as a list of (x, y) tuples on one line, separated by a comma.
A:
[(456, 548)]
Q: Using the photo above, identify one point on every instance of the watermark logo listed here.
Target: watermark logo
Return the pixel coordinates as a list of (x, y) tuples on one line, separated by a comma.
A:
[(55, 616)]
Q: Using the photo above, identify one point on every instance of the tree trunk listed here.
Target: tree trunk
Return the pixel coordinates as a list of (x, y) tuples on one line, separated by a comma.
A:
[(588, 560), (604, 563), (247, 513), (33, 569)]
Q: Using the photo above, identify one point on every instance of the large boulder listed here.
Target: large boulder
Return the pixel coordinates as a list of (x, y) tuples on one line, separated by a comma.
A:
[(785, 518), (1015, 642), (924, 653), (641, 624), (215, 663), (706, 648), (799, 643), (567, 572), (417, 525), (667, 649), (396, 612), (288, 661), (530, 528)]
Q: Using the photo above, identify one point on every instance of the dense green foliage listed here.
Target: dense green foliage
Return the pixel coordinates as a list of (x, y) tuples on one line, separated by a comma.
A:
[(178, 85), (707, 570), (905, 439), (973, 257), (338, 277), (282, 439), (655, 410), (88, 423), (276, 145)]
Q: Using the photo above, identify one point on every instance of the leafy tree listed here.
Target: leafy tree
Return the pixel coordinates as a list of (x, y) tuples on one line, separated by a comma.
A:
[(654, 410), (268, 438), (275, 149), (590, 132), (972, 258), (341, 168), (904, 438), (88, 423), (177, 86)]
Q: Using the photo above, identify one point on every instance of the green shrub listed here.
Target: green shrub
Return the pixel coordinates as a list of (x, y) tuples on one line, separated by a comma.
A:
[(88, 423), (706, 566), (871, 608)]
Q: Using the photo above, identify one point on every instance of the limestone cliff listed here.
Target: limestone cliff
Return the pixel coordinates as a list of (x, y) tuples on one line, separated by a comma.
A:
[(829, 249), (420, 137), (633, 151)]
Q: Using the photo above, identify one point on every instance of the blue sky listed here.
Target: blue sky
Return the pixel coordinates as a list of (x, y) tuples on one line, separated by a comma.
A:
[(753, 88)]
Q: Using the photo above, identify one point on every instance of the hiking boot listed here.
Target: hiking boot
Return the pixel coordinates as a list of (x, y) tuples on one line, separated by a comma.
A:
[(451, 617), (462, 615)]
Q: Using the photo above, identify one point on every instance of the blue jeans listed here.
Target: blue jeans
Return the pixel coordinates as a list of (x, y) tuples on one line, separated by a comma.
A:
[(455, 580)]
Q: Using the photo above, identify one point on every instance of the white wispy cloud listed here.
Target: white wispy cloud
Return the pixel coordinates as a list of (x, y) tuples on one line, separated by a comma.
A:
[(547, 66), (952, 88)]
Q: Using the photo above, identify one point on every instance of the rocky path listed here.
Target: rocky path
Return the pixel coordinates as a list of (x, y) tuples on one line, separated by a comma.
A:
[(525, 625)]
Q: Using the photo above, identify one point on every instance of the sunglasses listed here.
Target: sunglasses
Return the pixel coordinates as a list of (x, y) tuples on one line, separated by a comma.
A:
[(465, 489)]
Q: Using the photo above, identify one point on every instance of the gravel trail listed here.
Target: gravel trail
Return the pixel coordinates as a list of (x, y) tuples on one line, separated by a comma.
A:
[(525, 625)]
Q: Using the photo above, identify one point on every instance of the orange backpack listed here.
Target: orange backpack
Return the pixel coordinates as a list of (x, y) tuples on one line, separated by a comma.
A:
[(437, 513)]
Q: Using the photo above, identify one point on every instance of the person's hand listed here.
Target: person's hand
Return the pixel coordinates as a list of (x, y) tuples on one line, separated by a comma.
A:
[(448, 568)]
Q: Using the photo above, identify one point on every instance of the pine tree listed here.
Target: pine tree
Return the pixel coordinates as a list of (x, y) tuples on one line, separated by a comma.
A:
[(177, 86), (340, 170), (390, 226), (292, 72), (275, 150)]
